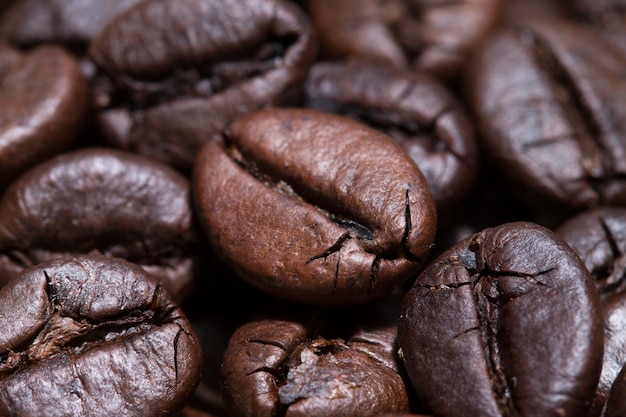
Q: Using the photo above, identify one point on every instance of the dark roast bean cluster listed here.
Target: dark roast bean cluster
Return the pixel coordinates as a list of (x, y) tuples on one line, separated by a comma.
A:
[(294, 208)]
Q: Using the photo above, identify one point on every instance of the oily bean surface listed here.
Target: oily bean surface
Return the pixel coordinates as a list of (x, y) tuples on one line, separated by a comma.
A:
[(551, 119), (93, 336), (512, 316), (314, 365), (214, 62), (417, 111), (43, 105), (314, 207), (599, 237), (616, 403), (104, 200)]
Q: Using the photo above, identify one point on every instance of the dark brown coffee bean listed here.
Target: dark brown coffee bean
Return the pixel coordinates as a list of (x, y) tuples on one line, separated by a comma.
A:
[(316, 364), (71, 23), (102, 200), (506, 322), (214, 61), (432, 36), (314, 207), (414, 109), (43, 105), (616, 404), (599, 237), (93, 336), (551, 119)]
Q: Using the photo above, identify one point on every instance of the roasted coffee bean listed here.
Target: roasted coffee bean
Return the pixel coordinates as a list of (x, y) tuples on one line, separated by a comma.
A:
[(599, 237), (414, 109), (214, 61), (432, 36), (506, 322), (93, 336), (71, 23), (314, 207), (316, 364), (616, 404), (107, 201), (551, 119), (43, 104)]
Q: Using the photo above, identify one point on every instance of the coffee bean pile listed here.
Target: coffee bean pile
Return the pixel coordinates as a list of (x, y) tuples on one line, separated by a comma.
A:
[(290, 208)]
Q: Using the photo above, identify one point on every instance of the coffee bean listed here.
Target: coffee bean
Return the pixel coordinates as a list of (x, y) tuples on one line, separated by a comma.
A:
[(506, 322), (432, 36), (214, 61), (71, 23), (599, 237), (616, 404), (315, 365), (314, 207), (93, 336), (415, 109), (43, 106), (102, 200), (551, 119)]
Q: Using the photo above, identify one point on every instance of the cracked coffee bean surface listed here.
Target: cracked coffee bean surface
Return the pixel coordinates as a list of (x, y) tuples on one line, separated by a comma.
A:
[(107, 201), (316, 365), (599, 237), (314, 207), (93, 336), (550, 118), (214, 61), (44, 100), (506, 322), (414, 109)]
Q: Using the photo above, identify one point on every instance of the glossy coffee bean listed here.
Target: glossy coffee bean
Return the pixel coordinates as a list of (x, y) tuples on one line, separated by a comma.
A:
[(214, 61), (414, 109), (599, 237), (506, 322), (43, 104), (551, 119), (93, 336), (106, 201), (432, 36), (314, 364), (314, 207), (616, 404)]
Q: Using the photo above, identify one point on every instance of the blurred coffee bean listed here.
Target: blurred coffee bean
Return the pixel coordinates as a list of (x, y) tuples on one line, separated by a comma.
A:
[(43, 105), (70, 23), (551, 119), (432, 36), (106, 201), (212, 62), (414, 109)]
